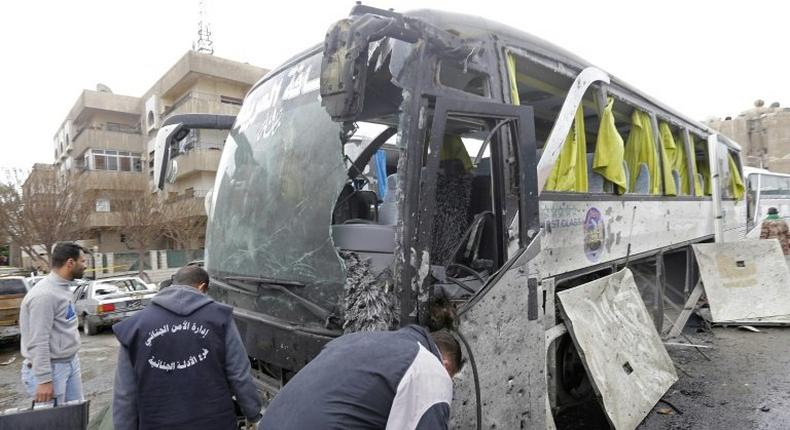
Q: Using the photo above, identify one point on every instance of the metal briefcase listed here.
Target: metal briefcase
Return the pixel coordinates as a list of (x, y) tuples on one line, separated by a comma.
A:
[(70, 416)]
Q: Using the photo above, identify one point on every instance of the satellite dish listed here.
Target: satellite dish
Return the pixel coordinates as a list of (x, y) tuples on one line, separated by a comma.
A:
[(103, 88)]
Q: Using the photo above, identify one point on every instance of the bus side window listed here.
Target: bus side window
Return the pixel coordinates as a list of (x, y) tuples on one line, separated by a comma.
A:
[(700, 147), (674, 147), (732, 185), (456, 75), (545, 90)]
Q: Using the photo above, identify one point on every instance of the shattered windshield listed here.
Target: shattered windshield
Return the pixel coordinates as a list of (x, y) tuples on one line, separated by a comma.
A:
[(280, 174)]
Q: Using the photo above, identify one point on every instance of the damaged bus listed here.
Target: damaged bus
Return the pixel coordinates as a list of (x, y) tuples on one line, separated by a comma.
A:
[(429, 157)]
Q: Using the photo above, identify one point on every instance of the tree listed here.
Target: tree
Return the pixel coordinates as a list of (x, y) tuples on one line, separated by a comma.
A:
[(45, 208), (141, 221), (184, 222)]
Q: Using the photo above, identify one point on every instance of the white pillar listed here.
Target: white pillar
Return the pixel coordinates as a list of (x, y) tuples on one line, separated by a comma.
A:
[(110, 262), (163, 259), (154, 260)]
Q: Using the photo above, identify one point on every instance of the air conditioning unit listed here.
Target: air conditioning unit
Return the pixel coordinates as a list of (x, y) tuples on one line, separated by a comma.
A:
[(152, 113)]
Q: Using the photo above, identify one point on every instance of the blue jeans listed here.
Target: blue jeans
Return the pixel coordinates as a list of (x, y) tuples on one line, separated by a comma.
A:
[(66, 380)]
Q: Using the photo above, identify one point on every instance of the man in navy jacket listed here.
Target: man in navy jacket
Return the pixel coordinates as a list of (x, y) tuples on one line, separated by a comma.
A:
[(393, 380), (180, 362)]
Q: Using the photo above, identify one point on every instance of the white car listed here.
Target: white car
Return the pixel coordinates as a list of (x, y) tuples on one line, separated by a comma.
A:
[(104, 302), (33, 280)]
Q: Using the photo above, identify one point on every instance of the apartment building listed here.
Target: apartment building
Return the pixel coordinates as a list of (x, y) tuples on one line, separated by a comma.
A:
[(101, 142), (107, 141), (197, 83), (764, 132)]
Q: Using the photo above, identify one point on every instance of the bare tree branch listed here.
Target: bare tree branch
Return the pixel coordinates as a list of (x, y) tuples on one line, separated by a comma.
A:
[(141, 218), (45, 208), (184, 222)]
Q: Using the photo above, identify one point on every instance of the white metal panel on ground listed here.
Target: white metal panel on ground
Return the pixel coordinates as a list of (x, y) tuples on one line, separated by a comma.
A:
[(745, 281), (622, 352)]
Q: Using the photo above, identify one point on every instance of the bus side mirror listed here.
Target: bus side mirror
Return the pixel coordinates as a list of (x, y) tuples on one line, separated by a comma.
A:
[(166, 138), (345, 61), (174, 130)]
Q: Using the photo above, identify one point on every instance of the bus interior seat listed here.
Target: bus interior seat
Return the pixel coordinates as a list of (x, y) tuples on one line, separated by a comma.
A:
[(595, 180), (388, 209), (627, 174), (483, 167), (355, 206), (609, 187), (452, 199), (373, 242), (642, 184), (481, 188), (676, 178), (476, 250)]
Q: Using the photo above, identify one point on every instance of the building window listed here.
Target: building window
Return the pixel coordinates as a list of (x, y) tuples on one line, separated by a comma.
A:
[(98, 159), (123, 238), (230, 100), (99, 162), (102, 205), (112, 163)]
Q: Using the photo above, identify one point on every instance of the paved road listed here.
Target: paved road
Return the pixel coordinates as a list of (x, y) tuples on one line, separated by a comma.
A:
[(97, 358), (746, 385)]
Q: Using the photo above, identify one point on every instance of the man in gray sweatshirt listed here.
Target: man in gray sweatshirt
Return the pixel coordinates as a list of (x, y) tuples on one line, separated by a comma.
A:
[(181, 351), (50, 337)]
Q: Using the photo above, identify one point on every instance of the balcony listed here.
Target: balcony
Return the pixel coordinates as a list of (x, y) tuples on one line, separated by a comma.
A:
[(200, 102), (112, 180), (103, 220), (195, 161), (117, 137), (184, 206)]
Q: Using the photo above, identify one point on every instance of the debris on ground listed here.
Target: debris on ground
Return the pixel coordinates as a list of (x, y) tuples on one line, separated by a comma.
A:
[(687, 345), (9, 361)]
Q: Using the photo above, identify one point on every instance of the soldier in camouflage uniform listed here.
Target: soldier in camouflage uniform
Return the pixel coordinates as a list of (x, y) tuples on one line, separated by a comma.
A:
[(775, 227)]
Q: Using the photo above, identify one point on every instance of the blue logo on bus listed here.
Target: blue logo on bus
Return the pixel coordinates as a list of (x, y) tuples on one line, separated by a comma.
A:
[(594, 234)]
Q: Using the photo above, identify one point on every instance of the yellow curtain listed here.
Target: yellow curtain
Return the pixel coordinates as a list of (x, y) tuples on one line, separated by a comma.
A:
[(453, 149), (736, 183), (704, 170), (640, 148), (511, 72), (681, 165), (609, 149), (698, 191), (570, 170), (669, 150)]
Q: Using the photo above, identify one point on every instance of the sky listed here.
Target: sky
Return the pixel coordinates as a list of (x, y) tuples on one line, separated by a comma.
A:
[(703, 58)]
